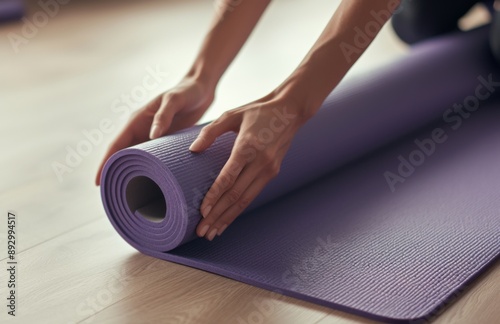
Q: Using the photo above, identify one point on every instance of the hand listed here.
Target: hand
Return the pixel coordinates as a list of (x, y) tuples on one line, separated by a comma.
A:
[(265, 130), (176, 109)]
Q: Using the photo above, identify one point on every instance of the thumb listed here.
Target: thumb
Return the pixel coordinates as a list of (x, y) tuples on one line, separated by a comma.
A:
[(209, 133)]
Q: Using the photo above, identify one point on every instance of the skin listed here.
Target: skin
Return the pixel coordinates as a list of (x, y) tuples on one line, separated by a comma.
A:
[(265, 127)]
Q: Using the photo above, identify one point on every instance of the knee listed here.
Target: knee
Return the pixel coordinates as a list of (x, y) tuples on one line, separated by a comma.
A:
[(410, 29), (414, 21), (495, 37)]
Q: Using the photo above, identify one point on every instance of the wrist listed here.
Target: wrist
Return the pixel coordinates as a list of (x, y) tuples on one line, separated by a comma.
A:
[(200, 74), (291, 104), (296, 91)]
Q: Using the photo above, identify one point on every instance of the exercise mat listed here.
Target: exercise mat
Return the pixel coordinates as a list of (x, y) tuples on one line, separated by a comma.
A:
[(363, 217)]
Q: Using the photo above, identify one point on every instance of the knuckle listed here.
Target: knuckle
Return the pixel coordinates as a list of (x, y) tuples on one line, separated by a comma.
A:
[(172, 97), (160, 115), (233, 196), (231, 178), (235, 168), (219, 184), (243, 202), (268, 157), (225, 180), (213, 125), (226, 114), (216, 123), (205, 131), (213, 192), (248, 139)]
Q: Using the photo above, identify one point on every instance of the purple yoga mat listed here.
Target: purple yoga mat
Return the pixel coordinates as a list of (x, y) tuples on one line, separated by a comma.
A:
[(333, 232)]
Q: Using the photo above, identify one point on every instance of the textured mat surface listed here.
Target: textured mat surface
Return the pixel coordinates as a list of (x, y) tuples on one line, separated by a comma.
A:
[(338, 233)]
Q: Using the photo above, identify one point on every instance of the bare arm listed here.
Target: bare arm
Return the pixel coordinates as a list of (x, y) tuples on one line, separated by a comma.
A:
[(297, 99), (230, 28), (255, 160), (336, 50), (183, 105)]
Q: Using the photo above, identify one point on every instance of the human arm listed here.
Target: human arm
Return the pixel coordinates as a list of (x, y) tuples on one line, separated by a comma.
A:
[(256, 157), (183, 105)]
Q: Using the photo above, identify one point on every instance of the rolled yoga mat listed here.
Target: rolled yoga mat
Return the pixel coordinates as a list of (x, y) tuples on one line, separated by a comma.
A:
[(333, 232)]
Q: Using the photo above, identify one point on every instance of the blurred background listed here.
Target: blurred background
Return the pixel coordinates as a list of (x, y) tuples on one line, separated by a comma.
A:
[(69, 64), (72, 71)]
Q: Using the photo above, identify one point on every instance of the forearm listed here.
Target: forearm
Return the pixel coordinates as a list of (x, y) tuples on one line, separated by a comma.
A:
[(335, 51), (230, 28)]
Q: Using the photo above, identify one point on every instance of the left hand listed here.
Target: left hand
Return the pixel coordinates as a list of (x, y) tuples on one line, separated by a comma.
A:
[(265, 130)]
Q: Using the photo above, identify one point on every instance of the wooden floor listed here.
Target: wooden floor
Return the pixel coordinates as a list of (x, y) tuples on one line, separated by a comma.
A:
[(67, 75)]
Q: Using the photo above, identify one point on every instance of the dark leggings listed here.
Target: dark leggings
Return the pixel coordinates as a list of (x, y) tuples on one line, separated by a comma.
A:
[(416, 20)]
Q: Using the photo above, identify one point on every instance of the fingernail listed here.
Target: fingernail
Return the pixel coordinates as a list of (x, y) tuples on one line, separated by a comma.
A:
[(195, 145), (221, 230), (204, 230), (212, 233), (155, 132), (206, 211)]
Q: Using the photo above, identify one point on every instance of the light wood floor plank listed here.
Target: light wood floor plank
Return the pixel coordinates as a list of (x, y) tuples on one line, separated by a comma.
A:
[(90, 274)]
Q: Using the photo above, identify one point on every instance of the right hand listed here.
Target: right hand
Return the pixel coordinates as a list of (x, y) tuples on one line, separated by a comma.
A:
[(173, 110)]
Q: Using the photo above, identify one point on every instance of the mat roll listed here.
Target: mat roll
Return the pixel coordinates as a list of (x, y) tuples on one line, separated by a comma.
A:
[(365, 232)]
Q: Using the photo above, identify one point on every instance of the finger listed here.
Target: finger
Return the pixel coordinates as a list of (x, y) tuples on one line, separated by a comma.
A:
[(224, 220), (224, 181), (222, 196), (227, 176), (258, 180), (125, 139), (163, 117), (209, 133)]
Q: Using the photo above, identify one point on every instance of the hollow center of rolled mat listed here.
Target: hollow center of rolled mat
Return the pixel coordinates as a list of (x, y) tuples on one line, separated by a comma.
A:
[(145, 198)]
